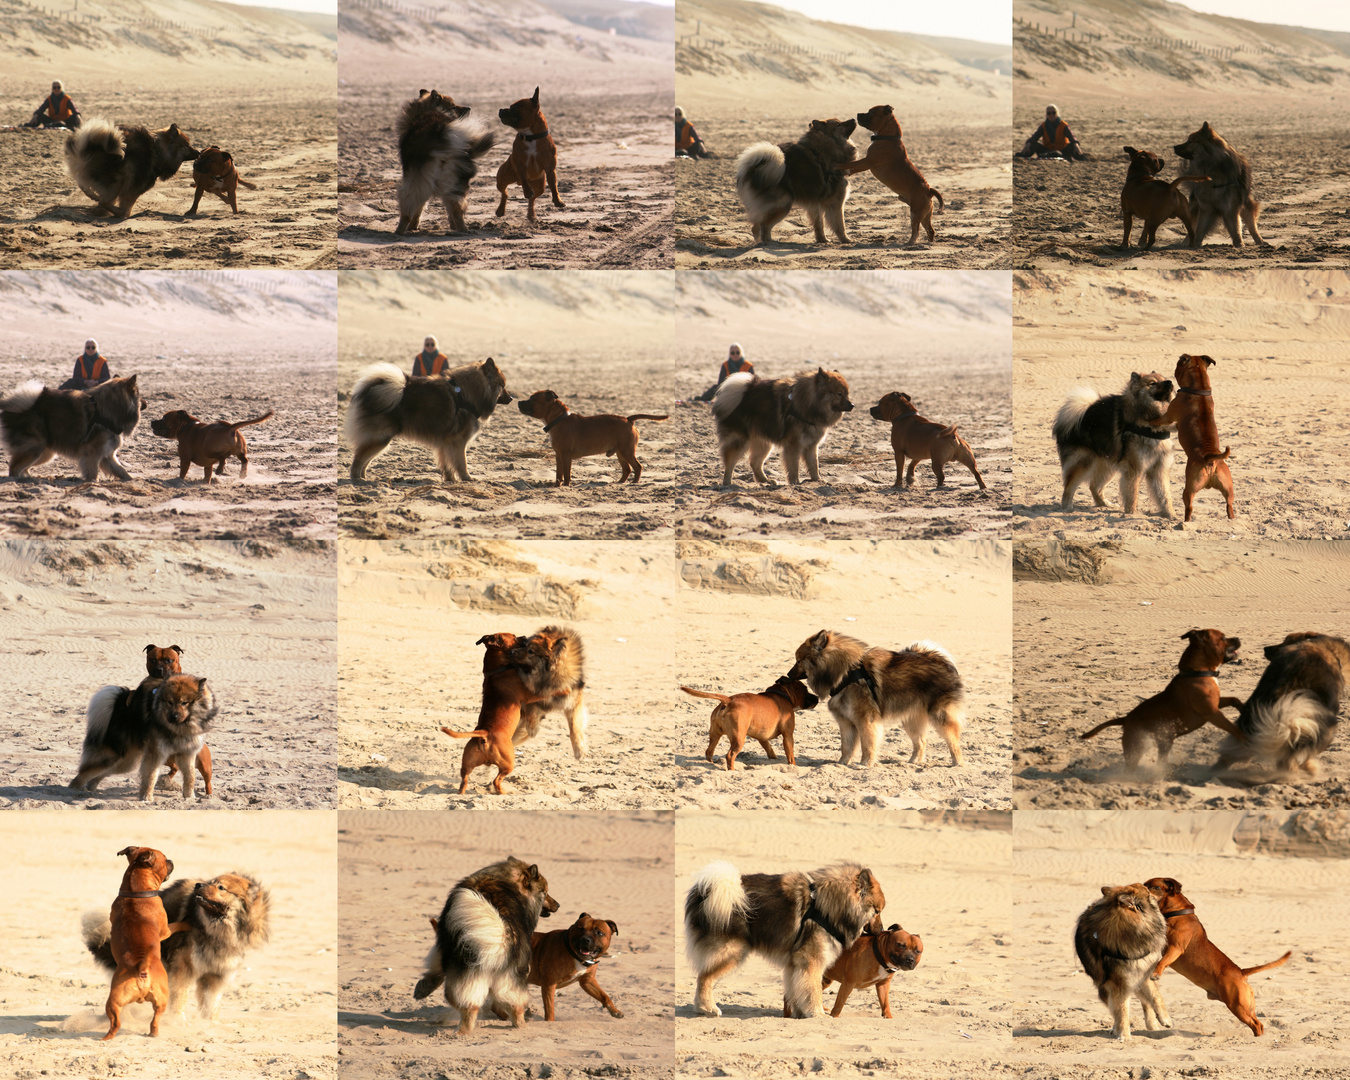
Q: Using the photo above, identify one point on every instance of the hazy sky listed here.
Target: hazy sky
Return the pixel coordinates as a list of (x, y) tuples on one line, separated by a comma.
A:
[(1317, 14)]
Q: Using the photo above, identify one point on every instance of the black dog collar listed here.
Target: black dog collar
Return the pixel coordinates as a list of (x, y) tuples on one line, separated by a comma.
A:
[(1174, 914), (1148, 432), (885, 138), (558, 419), (858, 674), (876, 951), (532, 137), (778, 691), (1194, 393), (577, 956), (139, 895), (1199, 674)]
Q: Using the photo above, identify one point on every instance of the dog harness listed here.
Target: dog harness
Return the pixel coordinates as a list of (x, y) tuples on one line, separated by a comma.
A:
[(577, 956), (1198, 674), (814, 914), (858, 674), (1174, 914), (1194, 393), (876, 951)]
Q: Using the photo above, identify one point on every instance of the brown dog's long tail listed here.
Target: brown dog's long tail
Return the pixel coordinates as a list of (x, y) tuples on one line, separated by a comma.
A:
[(1264, 967), (256, 420), (703, 693), (1183, 179), (467, 734), (1102, 727), (1218, 457), (251, 187), (646, 416), (937, 195)]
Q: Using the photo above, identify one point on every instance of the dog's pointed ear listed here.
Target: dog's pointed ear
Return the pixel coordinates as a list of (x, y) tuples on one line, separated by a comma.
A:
[(173, 129), (535, 99), (821, 373), (1206, 129), (821, 639), (533, 872), (1131, 151), (176, 649), (131, 381), (201, 682), (865, 882), (490, 364), (1107, 890), (126, 851), (435, 924), (1191, 635)]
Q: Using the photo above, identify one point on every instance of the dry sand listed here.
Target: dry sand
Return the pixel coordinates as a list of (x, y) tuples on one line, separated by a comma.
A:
[(411, 612), (744, 607), (397, 870), (1089, 648), (262, 88), (224, 346), (276, 1018), (258, 621), (1254, 903), (756, 73), (1280, 101), (607, 349), (1279, 340), (947, 878), (608, 100)]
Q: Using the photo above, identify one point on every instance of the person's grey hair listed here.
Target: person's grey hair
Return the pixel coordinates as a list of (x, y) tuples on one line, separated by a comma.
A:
[(434, 343), (737, 346), (92, 342)]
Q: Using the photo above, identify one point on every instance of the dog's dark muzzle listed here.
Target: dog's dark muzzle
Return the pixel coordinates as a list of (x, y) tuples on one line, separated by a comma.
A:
[(875, 412), (811, 701), (505, 399), (508, 117), (796, 672), (847, 406), (862, 121)]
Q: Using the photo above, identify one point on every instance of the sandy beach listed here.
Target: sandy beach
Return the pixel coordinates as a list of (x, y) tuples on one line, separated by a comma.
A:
[(1256, 898), (228, 345), (1275, 93), (613, 355), (276, 1017), (1089, 648), (745, 607), (259, 622), (397, 870), (747, 73), (608, 100), (1279, 342), (259, 83), (947, 878)]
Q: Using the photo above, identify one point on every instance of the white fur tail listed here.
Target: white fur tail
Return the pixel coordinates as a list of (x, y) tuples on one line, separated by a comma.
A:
[(760, 166), (930, 647), (479, 924), (730, 393), (1070, 414), (95, 929), (1295, 720), (99, 712), (95, 135), (723, 895), (378, 389), (21, 400)]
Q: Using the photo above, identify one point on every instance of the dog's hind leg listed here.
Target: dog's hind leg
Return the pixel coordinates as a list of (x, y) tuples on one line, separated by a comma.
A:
[(365, 454), (1074, 475), (948, 720), (722, 960), (454, 212), (29, 458), (817, 219), (772, 219), (759, 453), (210, 988), (551, 175), (1250, 211), (732, 448)]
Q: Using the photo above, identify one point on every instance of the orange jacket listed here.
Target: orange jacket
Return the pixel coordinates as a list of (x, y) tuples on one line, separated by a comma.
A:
[(1056, 138), (96, 369), (59, 107), (685, 135), (741, 364), (438, 365)]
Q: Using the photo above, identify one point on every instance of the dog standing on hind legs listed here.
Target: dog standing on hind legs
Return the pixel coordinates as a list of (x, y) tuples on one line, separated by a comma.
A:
[(534, 155)]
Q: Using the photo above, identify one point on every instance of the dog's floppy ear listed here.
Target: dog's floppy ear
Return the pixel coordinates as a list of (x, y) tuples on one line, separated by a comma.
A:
[(1173, 886), (147, 649), (894, 926), (889, 110), (613, 926), (176, 649), (550, 395), (906, 397), (1191, 635), (1209, 361)]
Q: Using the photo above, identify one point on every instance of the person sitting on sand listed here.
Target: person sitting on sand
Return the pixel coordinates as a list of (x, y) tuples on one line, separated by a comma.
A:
[(430, 361), (687, 140), (90, 369), (734, 364), (56, 111), (1052, 139)]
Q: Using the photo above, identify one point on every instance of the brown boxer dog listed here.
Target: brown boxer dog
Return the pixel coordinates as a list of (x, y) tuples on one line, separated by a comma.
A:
[(1152, 200), (889, 163), (492, 742), (1190, 952), (214, 171), (1192, 410), (534, 157), (757, 716), (585, 436), (873, 960), (1189, 702), (160, 664), (138, 926), (206, 444), (562, 957), (922, 440)]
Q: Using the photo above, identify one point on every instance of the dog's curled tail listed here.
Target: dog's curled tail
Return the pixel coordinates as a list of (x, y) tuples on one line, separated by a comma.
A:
[(1288, 730), (96, 930), (936, 194), (379, 389), (1102, 727), (22, 398), (1266, 967), (466, 734), (479, 138), (723, 698), (1184, 179), (1218, 457), (96, 135), (97, 715), (715, 898), (646, 416), (1070, 414), (760, 166), (256, 420), (730, 393)]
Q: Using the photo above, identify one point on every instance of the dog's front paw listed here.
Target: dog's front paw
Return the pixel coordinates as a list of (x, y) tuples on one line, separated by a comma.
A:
[(617, 1013), (712, 1010)]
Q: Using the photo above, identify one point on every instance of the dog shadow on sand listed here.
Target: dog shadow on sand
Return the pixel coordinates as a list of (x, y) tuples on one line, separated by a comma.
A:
[(1104, 1033), (731, 1012), (419, 1021)]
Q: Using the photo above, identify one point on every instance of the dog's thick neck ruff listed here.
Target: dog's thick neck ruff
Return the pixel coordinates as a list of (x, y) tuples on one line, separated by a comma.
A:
[(876, 951), (1175, 914), (584, 961)]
